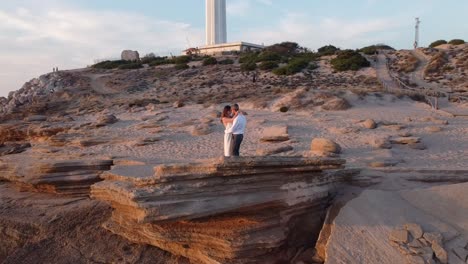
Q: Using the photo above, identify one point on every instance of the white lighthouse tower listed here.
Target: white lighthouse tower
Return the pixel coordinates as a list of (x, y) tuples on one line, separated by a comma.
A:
[(216, 36), (215, 22)]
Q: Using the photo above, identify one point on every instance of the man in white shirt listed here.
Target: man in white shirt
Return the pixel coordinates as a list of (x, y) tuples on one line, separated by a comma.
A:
[(237, 130)]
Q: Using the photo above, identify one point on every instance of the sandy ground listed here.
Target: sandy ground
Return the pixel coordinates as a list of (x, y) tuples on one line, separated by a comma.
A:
[(446, 149)]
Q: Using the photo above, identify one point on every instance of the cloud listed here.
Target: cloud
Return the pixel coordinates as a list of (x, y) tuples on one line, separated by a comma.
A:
[(243, 7), (314, 33), (34, 41)]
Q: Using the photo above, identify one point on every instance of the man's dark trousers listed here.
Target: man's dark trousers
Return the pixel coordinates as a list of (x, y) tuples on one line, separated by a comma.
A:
[(237, 140)]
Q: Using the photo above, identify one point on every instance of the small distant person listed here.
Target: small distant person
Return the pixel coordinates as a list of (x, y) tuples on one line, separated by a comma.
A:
[(227, 119), (237, 129)]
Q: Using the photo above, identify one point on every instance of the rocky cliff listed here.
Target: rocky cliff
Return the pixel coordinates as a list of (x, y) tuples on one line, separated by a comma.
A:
[(233, 210)]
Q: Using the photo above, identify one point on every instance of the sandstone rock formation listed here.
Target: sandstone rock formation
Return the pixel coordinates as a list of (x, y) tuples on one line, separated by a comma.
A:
[(324, 146), (71, 177), (275, 134), (130, 55), (400, 226), (232, 210), (369, 123)]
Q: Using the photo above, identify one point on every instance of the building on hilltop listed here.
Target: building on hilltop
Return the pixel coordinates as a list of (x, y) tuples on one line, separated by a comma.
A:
[(216, 33)]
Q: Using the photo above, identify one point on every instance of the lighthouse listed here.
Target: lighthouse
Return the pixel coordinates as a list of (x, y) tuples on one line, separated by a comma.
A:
[(215, 22)]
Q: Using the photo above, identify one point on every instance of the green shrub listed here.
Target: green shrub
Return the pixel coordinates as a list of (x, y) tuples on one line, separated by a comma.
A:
[(327, 50), (370, 50), (457, 42), (130, 66), (284, 48), (161, 61), (268, 65), (349, 60), (313, 66), (281, 70), (181, 66), (110, 64), (248, 57), (296, 65), (182, 59), (210, 61), (438, 43), (248, 66), (268, 56), (226, 62)]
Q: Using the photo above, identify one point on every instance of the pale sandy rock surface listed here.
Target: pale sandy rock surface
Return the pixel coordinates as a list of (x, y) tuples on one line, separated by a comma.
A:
[(363, 228)]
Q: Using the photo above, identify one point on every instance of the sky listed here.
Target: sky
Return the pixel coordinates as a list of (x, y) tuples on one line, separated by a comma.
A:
[(37, 35)]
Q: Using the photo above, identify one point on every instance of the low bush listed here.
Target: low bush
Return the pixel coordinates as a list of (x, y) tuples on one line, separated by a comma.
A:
[(284, 48), (182, 59), (248, 66), (210, 61), (109, 64), (296, 65), (268, 56), (349, 60), (281, 70), (268, 65), (131, 66), (327, 50), (313, 66), (248, 57), (438, 43), (370, 50), (162, 61), (457, 42), (181, 66), (226, 62)]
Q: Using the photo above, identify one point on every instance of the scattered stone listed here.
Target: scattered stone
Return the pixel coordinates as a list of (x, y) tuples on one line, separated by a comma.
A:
[(424, 242), (433, 237), (200, 130), (384, 163), (399, 235), (369, 123), (130, 55), (415, 230), (405, 140), (275, 134), (336, 104), (380, 143), (434, 129), (323, 145), (273, 150), (418, 146), (13, 148), (106, 120), (395, 127), (415, 244), (36, 118), (147, 141), (440, 252), (178, 104), (89, 142), (405, 134)]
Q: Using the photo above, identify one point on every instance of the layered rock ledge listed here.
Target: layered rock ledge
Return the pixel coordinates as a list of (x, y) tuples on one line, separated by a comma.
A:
[(71, 177), (229, 210)]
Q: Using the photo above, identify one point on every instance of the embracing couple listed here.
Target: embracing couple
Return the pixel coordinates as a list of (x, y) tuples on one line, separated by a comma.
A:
[(234, 122)]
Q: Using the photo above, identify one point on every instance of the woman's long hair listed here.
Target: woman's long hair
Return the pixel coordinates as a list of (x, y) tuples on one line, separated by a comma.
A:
[(225, 113)]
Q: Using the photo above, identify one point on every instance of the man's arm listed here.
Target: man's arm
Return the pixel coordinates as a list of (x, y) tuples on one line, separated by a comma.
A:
[(234, 125)]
